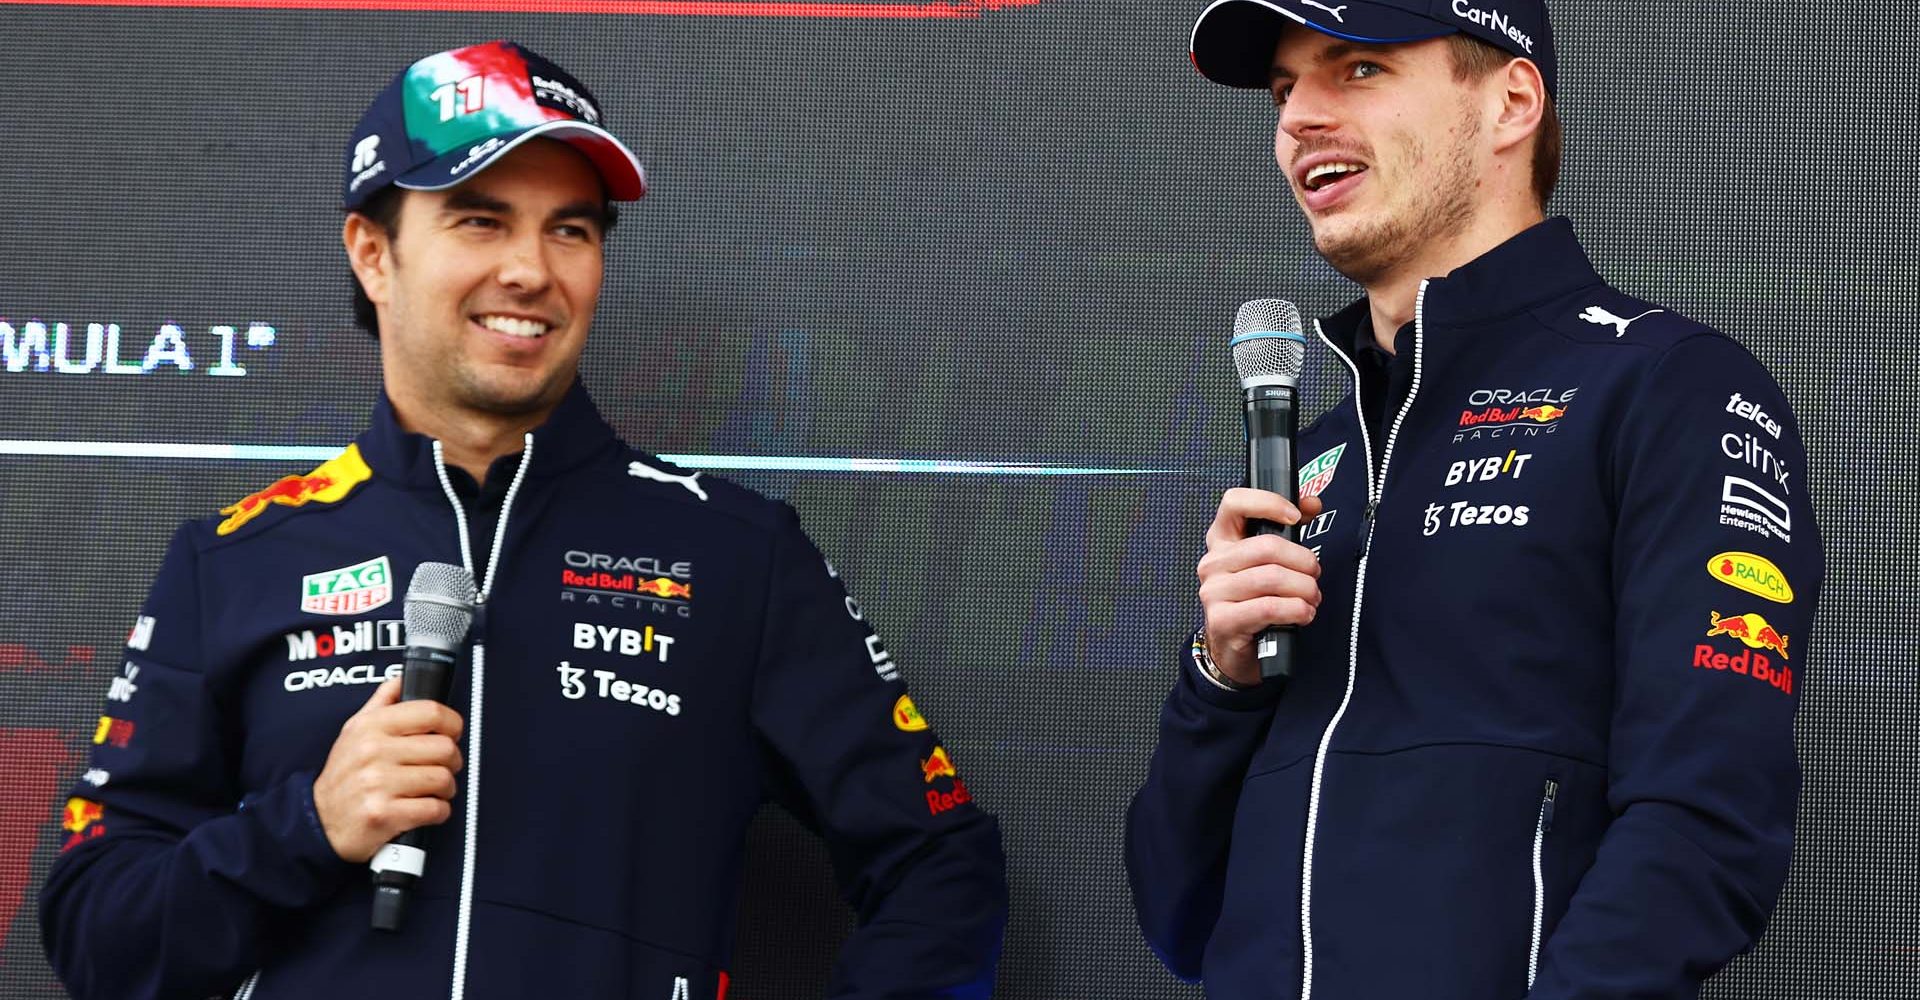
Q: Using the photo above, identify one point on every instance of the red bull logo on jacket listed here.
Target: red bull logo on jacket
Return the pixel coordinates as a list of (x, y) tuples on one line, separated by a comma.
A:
[(938, 766), (1756, 634), (83, 819), (330, 483), (1750, 629), (113, 732)]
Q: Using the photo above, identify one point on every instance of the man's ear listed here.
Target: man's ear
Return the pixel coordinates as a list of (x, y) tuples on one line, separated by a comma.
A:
[(370, 254), (1521, 94)]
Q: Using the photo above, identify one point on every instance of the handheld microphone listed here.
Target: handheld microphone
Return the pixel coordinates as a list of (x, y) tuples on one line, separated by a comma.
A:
[(439, 612), (1269, 349)]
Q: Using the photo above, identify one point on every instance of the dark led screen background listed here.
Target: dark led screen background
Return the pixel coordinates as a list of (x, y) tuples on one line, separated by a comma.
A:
[(1003, 232)]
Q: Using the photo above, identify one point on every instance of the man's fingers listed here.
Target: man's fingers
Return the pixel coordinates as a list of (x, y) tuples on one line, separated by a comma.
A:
[(388, 693), (1238, 621), (427, 748), (1260, 550), (1240, 505), (1256, 582), (410, 717)]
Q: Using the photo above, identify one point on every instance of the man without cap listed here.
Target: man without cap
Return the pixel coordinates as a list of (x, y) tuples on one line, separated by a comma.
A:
[(1555, 568), (655, 653)]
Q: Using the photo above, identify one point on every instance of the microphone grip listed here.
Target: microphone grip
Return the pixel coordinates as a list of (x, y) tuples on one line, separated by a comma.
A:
[(427, 676), (1272, 418)]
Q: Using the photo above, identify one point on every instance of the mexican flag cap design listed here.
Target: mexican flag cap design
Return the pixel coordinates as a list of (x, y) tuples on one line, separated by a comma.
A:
[(448, 116)]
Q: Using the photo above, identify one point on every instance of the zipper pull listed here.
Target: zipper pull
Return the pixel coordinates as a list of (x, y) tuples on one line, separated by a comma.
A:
[(1366, 516), (1547, 798)]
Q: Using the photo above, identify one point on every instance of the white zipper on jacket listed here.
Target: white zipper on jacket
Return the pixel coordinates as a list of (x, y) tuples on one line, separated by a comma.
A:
[(1540, 827), (246, 989), (1376, 486), (463, 927)]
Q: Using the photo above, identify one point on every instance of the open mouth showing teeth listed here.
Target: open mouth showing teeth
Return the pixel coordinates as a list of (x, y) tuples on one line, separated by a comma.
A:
[(513, 326), (1328, 173)]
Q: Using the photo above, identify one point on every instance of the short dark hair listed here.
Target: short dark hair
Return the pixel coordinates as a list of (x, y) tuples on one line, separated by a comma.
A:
[(383, 210), (1474, 59)]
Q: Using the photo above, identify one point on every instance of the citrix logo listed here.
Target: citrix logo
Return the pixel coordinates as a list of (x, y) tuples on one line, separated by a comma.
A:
[(1493, 20)]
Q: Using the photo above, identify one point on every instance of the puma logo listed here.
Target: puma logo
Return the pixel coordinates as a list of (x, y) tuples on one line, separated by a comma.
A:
[(1335, 11), (1601, 317), (641, 470)]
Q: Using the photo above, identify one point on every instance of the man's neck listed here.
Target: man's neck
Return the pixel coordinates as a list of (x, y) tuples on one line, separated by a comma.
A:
[(1391, 298), (470, 440)]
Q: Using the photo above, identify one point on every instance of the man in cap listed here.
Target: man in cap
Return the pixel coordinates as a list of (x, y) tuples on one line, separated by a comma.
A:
[(655, 653), (1516, 755)]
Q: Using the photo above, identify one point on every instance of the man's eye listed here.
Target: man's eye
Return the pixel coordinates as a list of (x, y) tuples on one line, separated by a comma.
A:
[(574, 232), (1281, 91), (1362, 70), (479, 222)]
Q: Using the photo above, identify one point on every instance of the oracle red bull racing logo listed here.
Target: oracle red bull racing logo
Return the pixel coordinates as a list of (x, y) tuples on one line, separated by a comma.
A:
[(1493, 413), (632, 582), (1758, 635), (330, 483)]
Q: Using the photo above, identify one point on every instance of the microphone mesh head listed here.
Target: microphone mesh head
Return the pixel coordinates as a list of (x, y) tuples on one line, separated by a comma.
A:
[(1268, 345), (439, 606)]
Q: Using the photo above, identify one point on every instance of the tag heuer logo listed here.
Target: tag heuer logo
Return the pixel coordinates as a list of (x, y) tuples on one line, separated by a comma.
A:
[(1316, 475), (349, 590)]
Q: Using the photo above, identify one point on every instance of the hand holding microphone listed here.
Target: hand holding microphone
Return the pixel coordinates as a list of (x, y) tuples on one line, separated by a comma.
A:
[(1256, 581), (390, 772)]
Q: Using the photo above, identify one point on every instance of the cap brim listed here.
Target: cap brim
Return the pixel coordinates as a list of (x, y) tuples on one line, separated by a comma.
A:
[(1233, 41), (619, 169)]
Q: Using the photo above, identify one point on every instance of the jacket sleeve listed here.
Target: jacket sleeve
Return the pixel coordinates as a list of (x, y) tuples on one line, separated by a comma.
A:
[(920, 864), (1181, 820), (1716, 567), (168, 880)]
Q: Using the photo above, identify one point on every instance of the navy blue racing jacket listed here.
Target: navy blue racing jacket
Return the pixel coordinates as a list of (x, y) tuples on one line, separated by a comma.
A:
[(657, 654), (1538, 741)]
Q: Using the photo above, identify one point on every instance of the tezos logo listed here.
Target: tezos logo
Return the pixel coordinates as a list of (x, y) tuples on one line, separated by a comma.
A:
[(573, 686), (1461, 513)]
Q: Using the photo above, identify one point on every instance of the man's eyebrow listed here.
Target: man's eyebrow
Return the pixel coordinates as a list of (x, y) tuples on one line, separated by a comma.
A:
[(580, 210), (470, 200), (1333, 53)]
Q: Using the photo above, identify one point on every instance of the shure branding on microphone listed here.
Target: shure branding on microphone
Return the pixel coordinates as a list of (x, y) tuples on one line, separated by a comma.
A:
[(1493, 20)]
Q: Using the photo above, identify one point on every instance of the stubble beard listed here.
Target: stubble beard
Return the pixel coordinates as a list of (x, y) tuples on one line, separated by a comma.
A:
[(1371, 250)]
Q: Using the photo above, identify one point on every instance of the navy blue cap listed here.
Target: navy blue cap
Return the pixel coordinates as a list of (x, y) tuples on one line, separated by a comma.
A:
[(1233, 41), (452, 114)]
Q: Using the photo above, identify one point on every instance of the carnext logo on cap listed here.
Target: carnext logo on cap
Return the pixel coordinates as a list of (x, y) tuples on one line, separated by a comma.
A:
[(1493, 20)]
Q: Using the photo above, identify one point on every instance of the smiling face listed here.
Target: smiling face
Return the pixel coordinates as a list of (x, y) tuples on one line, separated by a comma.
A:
[(1383, 147), (485, 291)]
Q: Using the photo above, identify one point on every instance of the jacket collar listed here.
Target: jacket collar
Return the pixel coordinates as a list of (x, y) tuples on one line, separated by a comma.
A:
[(573, 433), (1539, 264)]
